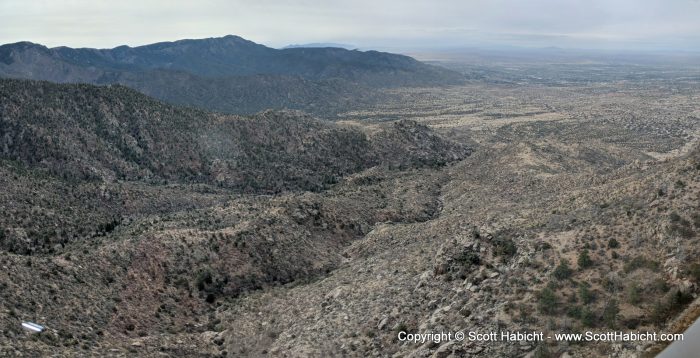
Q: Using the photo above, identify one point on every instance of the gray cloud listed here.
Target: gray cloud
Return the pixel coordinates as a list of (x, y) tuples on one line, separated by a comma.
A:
[(633, 24)]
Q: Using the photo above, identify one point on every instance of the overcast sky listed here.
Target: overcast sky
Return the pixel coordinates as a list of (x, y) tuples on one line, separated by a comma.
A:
[(391, 24)]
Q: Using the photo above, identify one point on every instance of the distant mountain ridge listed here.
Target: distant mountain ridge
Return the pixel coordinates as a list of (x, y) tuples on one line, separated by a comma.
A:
[(228, 74)]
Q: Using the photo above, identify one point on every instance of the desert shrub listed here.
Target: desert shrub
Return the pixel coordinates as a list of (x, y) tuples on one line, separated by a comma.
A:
[(585, 293), (504, 247), (587, 318), (574, 311), (181, 282), (681, 299), (547, 300), (108, 226), (584, 260), (469, 258), (641, 262), (613, 243), (660, 285), (694, 271), (682, 228), (610, 313), (204, 278), (634, 293), (611, 283), (563, 271), (475, 232), (543, 246), (658, 313), (670, 304), (525, 314), (696, 219), (590, 246), (631, 323)]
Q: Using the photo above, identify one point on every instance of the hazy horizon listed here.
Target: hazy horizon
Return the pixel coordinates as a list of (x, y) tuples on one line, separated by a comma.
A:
[(623, 25)]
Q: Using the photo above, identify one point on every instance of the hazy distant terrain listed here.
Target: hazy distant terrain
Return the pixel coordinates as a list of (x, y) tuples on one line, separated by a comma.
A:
[(321, 44)]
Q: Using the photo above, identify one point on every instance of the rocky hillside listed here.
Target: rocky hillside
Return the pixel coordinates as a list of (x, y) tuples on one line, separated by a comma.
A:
[(112, 133), (244, 76), (122, 213), (510, 250), (131, 227), (197, 270), (75, 139)]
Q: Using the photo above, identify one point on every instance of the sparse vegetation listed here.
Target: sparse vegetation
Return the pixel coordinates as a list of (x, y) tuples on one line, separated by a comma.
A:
[(610, 313), (562, 271), (670, 304), (585, 293), (694, 272), (469, 258), (639, 262), (588, 318), (584, 260), (547, 300), (504, 247), (634, 293)]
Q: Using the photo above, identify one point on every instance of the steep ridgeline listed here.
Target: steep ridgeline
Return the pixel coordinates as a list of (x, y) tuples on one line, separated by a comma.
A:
[(85, 132), (229, 74)]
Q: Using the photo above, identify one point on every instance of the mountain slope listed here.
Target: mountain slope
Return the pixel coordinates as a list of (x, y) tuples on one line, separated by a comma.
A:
[(107, 133), (246, 77), (80, 133), (123, 215)]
